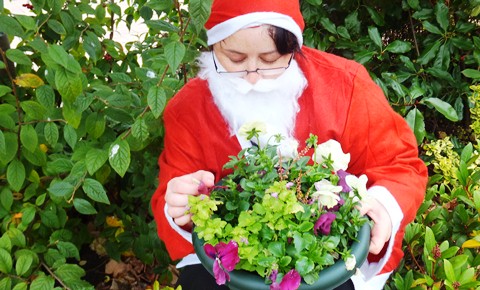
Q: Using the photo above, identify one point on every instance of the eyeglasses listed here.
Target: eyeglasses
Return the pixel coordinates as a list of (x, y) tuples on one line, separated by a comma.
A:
[(264, 72)]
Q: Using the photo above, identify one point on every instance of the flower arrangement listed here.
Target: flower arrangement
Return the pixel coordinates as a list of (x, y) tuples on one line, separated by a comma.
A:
[(285, 218)]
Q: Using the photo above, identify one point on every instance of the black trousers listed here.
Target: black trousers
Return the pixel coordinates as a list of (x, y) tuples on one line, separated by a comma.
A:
[(196, 277)]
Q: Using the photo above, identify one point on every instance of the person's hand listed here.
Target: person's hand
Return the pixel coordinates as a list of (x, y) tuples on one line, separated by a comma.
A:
[(178, 190), (382, 227)]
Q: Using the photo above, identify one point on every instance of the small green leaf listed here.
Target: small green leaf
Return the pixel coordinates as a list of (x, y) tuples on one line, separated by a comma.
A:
[(6, 199), (51, 134), (17, 237), (429, 240), (447, 266), (328, 25), (100, 12), (416, 122), (11, 145), (3, 145), (68, 250), (442, 15), (84, 206), (119, 156), (6, 283), (376, 17), (364, 56), (17, 56), (95, 159), (95, 190), (277, 249), (140, 129), (69, 85), (157, 100), (10, 26), (375, 36), (42, 283), (4, 90), (23, 264), (431, 28), (471, 73), (29, 138), (16, 174), (61, 189), (429, 52), (199, 11), (399, 46), (95, 124), (58, 54), (56, 26), (174, 53), (161, 25), (72, 114), (443, 107), (413, 4), (33, 110), (45, 96), (70, 135), (6, 262), (92, 46)]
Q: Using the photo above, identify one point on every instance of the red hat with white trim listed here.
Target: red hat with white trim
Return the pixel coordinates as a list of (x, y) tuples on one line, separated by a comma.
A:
[(228, 16)]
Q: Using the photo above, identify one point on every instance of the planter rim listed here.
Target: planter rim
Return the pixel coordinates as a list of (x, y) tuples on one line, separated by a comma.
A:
[(329, 278)]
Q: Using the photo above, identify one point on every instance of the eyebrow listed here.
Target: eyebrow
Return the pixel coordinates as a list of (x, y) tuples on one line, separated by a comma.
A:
[(239, 52)]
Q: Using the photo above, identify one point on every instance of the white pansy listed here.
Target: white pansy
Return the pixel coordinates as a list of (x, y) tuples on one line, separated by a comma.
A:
[(350, 263), (327, 193), (332, 150), (357, 183), (288, 148), (260, 127)]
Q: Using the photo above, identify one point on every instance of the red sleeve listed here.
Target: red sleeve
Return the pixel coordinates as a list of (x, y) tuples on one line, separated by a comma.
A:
[(176, 159), (383, 147), (196, 138)]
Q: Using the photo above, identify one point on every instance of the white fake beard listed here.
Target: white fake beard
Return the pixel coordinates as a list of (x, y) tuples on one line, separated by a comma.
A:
[(271, 101)]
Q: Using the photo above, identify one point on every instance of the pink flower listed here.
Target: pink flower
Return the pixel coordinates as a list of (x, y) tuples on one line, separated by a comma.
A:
[(203, 189), (324, 223), (226, 258), (291, 281)]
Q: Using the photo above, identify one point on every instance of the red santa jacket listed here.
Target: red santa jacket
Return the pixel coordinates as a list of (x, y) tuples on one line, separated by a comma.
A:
[(341, 102)]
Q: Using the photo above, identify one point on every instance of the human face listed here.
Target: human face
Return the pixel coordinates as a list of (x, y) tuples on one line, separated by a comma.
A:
[(248, 50)]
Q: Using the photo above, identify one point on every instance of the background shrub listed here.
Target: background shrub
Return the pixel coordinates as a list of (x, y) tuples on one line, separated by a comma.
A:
[(81, 129)]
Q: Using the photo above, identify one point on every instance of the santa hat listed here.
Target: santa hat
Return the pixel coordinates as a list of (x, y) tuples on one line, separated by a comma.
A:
[(229, 16)]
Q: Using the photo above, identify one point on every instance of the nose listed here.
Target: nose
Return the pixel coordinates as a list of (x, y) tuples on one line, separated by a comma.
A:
[(252, 77)]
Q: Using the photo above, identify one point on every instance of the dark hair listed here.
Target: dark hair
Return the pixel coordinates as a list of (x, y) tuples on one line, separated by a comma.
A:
[(285, 41)]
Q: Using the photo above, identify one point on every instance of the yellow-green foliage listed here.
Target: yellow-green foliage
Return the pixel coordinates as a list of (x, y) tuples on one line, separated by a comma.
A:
[(475, 110), (445, 159)]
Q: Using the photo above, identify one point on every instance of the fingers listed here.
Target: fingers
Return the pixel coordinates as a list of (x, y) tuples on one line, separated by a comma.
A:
[(382, 227), (178, 190)]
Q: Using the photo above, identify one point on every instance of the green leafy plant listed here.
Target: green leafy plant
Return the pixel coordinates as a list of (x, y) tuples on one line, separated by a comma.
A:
[(285, 213), (80, 131), (442, 246), (423, 54)]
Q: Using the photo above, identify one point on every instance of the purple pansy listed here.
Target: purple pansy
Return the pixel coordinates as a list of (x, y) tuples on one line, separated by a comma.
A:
[(290, 281), (226, 258), (342, 174), (324, 223)]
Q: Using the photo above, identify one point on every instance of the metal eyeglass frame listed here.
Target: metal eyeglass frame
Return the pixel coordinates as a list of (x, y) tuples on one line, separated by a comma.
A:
[(264, 72)]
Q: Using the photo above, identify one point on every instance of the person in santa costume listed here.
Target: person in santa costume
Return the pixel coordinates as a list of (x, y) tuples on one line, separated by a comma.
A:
[(258, 70)]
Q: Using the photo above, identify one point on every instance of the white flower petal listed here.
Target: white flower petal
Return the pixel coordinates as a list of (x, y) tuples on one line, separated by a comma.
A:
[(332, 150)]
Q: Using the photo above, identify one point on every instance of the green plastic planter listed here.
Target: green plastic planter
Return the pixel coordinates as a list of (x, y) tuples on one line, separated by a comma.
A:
[(329, 278)]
